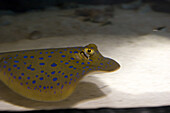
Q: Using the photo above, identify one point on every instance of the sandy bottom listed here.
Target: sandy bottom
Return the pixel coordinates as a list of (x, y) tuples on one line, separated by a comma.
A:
[(143, 79)]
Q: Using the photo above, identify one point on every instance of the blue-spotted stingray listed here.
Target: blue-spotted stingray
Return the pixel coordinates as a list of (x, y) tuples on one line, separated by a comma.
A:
[(51, 74)]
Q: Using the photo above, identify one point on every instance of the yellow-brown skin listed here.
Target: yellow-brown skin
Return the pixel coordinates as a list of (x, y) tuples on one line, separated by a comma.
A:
[(51, 74)]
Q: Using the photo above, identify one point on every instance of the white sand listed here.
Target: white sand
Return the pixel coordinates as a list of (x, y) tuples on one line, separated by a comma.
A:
[(143, 79)]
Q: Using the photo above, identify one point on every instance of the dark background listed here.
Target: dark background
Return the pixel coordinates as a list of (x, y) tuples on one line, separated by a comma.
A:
[(26, 5)]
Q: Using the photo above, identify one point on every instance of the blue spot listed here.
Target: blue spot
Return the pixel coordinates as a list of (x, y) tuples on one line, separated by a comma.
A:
[(16, 55), (62, 73), (66, 63), (42, 63), (71, 74), (39, 86), (74, 68), (28, 78), (54, 79), (42, 71), (14, 65), (60, 52), (65, 76), (16, 61), (46, 52), (53, 65), (65, 49), (32, 69), (41, 58), (26, 82), (71, 52), (9, 69), (31, 56), (84, 67), (82, 63), (59, 72), (49, 56), (48, 75), (51, 87), (11, 74), (62, 86), (91, 47), (61, 61), (88, 62), (69, 82), (25, 63), (28, 67), (87, 66), (34, 81), (90, 59), (75, 51), (101, 63), (22, 74), (44, 87), (63, 55), (36, 76), (19, 77), (18, 67), (52, 52), (4, 66), (77, 62), (10, 58), (25, 56), (90, 69), (70, 66), (47, 86), (53, 72), (58, 84), (72, 58), (71, 79), (41, 78), (40, 52), (5, 62)]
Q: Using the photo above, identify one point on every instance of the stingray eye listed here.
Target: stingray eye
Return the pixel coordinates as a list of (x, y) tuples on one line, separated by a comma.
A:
[(89, 51)]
